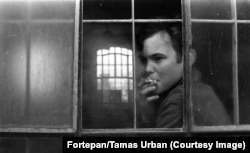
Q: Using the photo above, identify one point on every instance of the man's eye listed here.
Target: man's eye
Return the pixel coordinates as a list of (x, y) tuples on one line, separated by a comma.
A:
[(143, 60), (158, 59)]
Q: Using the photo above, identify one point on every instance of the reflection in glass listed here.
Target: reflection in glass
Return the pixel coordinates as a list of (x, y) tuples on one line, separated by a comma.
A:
[(244, 73), (107, 95), (109, 70), (213, 97), (211, 9), (243, 9)]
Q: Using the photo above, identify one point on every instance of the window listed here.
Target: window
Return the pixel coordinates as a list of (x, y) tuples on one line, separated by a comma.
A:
[(221, 44), (109, 94), (36, 66), (72, 66)]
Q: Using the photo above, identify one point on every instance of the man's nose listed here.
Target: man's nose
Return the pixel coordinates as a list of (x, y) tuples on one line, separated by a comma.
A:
[(149, 68)]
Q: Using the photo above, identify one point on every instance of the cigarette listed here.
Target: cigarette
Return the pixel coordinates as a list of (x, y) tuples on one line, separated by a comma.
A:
[(149, 80)]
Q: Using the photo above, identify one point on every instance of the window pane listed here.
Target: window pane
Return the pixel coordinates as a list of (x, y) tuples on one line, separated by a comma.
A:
[(118, 70), (244, 73), (243, 9), (111, 105), (10, 10), (118, 59), (112, 59), (36, 73), (106, 9), (149, 9), (99, 70), (99, 59), (124, 59), (212, 75), (111, 70), (105, 71), (45, 9), (124, 70), (211, 9), (130, 71)]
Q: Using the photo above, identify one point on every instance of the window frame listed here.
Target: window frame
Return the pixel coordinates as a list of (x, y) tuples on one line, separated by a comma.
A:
[(189, 127), (187, 21), (133, 21), (74, 101), (236, 126)]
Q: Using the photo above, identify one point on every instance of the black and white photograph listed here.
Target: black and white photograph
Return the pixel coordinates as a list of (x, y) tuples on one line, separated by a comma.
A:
[(123, 68)]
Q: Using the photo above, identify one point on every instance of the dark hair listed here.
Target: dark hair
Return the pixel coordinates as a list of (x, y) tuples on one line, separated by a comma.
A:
[(149, 29)]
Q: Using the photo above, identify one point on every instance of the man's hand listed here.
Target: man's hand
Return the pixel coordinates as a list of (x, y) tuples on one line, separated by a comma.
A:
[(147, 88)]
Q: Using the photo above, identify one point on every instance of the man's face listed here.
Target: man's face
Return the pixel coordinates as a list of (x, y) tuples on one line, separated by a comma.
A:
[(160, 61)]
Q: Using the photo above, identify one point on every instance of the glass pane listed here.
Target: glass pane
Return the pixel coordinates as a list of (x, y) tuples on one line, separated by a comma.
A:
[(52, 9), (244, 73), (243, 9), (130, 71), (125, 71), (124, 59), (162, 9), (106, 9), (118, 59), (13, 10), (110, 106), (36, 73), (99, 71), (111, 70), (212, 75), (118, 71), (99, 59), (211, 9), (105, 71), (106, 59)]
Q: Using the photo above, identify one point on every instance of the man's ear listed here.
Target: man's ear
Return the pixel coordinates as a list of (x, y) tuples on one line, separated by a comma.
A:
[(192, 57)]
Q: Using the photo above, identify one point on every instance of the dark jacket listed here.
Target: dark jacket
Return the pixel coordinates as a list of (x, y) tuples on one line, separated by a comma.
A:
[(207, 108)]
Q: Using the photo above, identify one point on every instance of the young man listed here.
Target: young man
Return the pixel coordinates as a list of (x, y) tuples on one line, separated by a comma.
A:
[(161, 87)]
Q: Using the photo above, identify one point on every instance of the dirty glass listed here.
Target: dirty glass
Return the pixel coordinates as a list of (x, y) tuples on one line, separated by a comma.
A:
[(243, 9), (106, 9), (212, 75), (211, 9), (161, 9), (244, 74), (107, 76), (36, 63)]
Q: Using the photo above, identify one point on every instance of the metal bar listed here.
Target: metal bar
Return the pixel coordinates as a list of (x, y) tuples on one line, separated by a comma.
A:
[(70, 21), (37, 130), (80, 100), (134, 59), (211, 21), (40, 21), (219, 129), (107, 21), (219, 21), (243, 21), (187, 40), (157, 20), (132, 20), (235, 63), (75, 116)]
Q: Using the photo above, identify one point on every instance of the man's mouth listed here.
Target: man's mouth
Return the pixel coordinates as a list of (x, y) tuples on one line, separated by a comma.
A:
[(149, 80)]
